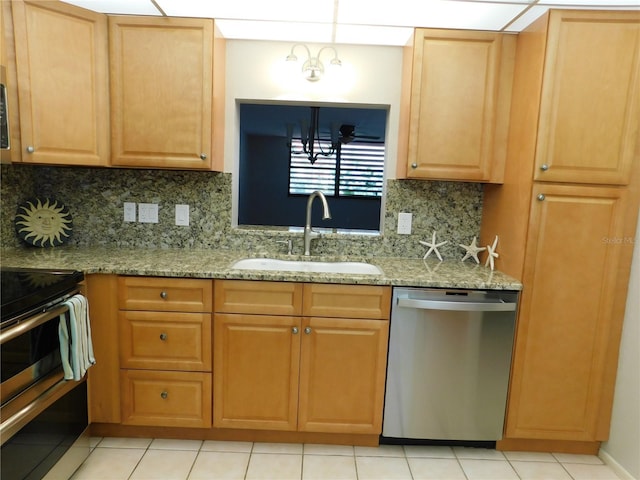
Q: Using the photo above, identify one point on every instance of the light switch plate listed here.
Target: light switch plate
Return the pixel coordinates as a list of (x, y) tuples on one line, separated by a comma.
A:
[(182, 215), (129, 212), (404, 223), (148, 212)]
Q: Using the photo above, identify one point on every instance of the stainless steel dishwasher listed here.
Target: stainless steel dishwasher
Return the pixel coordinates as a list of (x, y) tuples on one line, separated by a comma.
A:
[(449, 363)]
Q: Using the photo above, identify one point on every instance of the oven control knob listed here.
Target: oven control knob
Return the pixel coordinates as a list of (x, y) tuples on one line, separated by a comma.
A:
[(163, 336), (164, 395), (163, 295)]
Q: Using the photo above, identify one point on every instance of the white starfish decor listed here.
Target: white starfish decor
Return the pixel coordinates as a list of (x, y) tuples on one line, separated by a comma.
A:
[(472, 250), (433, 246), (491, 249)]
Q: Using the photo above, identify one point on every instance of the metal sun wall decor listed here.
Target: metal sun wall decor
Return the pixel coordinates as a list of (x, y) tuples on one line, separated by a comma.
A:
[(471, 251)]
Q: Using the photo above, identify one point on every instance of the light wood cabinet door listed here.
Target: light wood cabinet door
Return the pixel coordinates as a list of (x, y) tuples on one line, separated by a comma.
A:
[(165, 340), (570, 318), (165, 294), (162, 92), (169, 399), (255, 371), (342, 375), (590, 104), (62, 68), (459, 105)]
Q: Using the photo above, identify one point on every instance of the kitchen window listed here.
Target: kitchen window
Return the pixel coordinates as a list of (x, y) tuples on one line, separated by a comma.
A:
[(273, 184)]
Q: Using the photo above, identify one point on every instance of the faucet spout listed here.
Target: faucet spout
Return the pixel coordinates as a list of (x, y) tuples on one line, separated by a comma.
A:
[(308, 231)]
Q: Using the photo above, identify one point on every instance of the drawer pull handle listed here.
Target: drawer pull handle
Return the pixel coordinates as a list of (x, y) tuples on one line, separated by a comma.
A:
[(294, 330), (164, 395), (307, 330), (163, 336), (163, 295), (544, 167), (541, 197)]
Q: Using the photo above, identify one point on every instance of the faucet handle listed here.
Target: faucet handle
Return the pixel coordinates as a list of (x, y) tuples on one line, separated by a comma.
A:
[(289, 243)]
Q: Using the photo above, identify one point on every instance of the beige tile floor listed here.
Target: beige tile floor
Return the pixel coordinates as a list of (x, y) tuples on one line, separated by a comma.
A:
[(148, 459)]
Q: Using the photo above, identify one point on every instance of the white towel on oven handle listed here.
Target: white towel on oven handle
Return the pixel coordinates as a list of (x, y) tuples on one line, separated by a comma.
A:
[(76, 347)]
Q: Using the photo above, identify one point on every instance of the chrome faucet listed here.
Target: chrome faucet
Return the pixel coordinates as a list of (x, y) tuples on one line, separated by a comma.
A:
[(308, 231)]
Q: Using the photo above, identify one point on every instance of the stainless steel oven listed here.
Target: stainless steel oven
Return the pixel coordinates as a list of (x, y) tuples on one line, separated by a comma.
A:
[(43, 417)]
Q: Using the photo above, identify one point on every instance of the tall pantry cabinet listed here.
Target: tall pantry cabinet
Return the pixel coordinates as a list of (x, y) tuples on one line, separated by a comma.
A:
[(570, 197)]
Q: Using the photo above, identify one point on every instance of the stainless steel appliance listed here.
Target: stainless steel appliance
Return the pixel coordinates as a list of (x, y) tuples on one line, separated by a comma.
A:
[(43, 418), (449, 363)]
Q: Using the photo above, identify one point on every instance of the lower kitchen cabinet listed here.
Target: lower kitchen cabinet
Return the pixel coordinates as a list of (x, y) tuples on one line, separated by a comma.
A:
[(570, 314), (307, 361), (163, 398), (342, 374), (301, 372), (165, 351), (256, 370)]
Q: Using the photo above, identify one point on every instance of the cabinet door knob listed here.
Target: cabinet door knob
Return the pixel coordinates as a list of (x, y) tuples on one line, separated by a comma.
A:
[(163, 295), (30, 149), (294, 330), (414, 165), (164, 395), (163, 336), (544, 167), (203, 156), (307, 330), (541, 196)]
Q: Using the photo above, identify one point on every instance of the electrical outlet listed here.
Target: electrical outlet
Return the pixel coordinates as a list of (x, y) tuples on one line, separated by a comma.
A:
[(404, 223), (129, 212), (148, 212), (182, 215)]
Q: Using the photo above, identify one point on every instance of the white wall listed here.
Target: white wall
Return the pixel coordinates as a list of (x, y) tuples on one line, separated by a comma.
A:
[(256, 71), (624, 440)]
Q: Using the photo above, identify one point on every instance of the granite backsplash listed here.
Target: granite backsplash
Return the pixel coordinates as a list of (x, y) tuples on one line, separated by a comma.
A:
[(95, 198)]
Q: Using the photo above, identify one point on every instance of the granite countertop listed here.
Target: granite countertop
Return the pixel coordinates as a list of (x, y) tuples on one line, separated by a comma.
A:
[(193, 263)]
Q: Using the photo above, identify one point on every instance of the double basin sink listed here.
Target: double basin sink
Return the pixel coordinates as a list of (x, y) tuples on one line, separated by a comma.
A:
[(273, 264)]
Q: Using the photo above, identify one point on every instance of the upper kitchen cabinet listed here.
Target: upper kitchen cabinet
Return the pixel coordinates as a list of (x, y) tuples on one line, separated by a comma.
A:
[(455, 105), (589, 98), (62, 61), (167, 93)]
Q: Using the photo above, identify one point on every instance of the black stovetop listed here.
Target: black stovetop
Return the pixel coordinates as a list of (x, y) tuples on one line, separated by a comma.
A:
[(25, 290)]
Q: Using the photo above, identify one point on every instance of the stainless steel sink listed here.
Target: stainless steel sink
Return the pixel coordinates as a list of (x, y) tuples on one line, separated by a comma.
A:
[(273, 264)]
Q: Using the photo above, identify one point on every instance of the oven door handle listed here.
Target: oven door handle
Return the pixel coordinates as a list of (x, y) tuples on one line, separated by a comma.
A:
[(32, 322), (13, 424)]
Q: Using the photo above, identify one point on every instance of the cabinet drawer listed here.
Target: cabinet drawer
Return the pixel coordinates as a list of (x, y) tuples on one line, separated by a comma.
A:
[(272, 298), (170, 399), (165, 341), (165, 294), (348, 301)]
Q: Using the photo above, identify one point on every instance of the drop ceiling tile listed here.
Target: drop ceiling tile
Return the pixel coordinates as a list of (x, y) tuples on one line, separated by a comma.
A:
[(431, 13), (121, 7), (275, 31), (272, 10), (372, 35)]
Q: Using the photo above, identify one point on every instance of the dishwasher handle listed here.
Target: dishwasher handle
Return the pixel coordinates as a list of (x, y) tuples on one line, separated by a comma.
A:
[(499, 306)]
